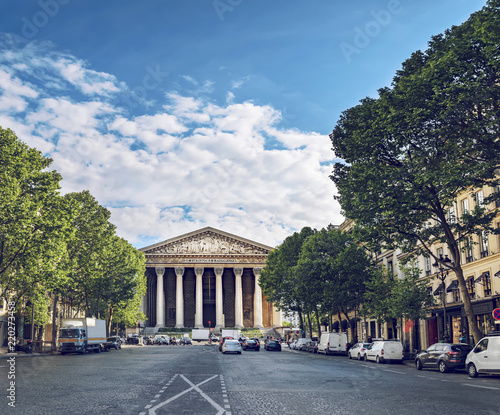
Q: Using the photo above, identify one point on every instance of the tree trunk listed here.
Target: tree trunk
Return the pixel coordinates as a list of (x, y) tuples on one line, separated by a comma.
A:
[(318, 322), (55, 315), (301, 321), (310, 326), (351, 330), (109, 322)]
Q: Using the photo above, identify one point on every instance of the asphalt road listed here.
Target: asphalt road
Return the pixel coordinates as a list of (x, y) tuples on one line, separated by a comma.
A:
[(200, 380)]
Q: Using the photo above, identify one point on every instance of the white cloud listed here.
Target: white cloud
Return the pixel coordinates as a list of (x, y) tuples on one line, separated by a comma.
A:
[(191, 163)]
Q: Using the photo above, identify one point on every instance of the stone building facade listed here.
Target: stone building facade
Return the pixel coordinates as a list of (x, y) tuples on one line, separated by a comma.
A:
[(207, 278)]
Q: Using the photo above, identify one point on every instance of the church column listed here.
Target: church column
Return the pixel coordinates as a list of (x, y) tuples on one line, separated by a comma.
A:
[(198, 318), (218, 298), (160, 297), (257, 316), (238, 300), (179, 299)]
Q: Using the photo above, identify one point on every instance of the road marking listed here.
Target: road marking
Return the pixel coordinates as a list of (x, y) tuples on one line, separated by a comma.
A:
[(394, 371), (479, 386), (196, 387)]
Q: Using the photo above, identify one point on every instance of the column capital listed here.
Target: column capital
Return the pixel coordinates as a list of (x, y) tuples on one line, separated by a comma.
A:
[(179, 271), (160, 271), (238, 272), (257, 271), (219, 271), (199, 271)]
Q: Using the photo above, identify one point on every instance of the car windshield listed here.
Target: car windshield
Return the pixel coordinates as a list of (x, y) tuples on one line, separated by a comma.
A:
[(112, 339), (250, 341), (69, 333)]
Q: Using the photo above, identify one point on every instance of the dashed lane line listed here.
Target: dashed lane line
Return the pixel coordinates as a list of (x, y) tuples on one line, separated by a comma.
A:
[(480, 386)]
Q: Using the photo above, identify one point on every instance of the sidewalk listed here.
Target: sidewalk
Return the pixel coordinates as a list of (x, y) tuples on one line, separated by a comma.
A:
[(5, 355)]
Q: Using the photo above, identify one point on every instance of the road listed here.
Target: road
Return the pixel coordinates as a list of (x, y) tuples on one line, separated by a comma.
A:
[(199, 380)]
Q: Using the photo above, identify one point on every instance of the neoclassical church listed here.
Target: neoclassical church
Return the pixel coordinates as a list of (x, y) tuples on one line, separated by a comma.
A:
[(207, 278)]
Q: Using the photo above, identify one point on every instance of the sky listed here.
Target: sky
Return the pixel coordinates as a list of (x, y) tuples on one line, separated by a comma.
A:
[(182, 114)]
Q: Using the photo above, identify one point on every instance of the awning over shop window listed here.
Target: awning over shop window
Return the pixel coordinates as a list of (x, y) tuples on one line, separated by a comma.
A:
[(483, 275), (453, 286), (438, 290)]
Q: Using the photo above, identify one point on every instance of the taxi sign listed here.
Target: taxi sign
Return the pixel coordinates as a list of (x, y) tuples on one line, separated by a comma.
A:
[(496, 313)]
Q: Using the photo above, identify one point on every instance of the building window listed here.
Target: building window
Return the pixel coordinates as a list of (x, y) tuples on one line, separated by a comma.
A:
[(471, 288), (171, 313), (480, 198), (487, 284), (484, 244), (497, 191), (451, 215), (468, 249), (390, 267), (428, 266), (456, 295), (465, 206)]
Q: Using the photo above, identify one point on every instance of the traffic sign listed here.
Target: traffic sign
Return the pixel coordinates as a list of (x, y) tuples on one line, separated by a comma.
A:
[(496, 313)]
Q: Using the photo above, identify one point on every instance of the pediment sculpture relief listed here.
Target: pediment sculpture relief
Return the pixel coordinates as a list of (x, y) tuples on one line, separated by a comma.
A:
[(208, 244)]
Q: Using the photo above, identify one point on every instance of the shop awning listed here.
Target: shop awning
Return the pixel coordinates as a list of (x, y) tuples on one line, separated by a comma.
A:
[(453, 286), (438, 290), (484, 274)]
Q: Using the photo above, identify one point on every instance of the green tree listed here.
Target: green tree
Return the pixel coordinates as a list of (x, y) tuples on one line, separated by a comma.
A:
[(34, 227), (278, 280), (337, 269), (432, 136)]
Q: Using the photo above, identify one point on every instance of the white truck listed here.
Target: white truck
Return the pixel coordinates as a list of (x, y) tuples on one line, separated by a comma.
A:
[(80, 335), (200, 335), (235, 334), (333, 343)]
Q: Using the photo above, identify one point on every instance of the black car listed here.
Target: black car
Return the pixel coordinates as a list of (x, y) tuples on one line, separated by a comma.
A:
[(185, 341), (443, 356), (113, 342), (250, 344), (273, 345)]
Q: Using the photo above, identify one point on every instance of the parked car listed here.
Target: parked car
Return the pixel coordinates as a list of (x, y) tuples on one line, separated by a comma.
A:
[(312, 347), (443, 356), (273, 345), (484, 357), (213, 338), (161, 340), (223, 340), (358, 351), (113, 342), (385, 351), (185, 341), (250, 344), (231, 346), (300, 343)]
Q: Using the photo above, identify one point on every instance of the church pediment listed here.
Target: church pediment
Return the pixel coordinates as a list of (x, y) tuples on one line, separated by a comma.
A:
[(207, 241)]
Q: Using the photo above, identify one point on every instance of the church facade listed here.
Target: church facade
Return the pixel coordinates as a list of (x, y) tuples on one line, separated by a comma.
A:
[(207, 278)]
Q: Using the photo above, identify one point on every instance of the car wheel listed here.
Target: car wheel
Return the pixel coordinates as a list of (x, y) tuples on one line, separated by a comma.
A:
[(62, 353), (366, 358), (442, 366), (418, 364), (472, 371), (239, 352), (359, 356), (378, 360)]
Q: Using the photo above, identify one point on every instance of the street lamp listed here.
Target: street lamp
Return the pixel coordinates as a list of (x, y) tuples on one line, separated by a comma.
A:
[(441, 276)]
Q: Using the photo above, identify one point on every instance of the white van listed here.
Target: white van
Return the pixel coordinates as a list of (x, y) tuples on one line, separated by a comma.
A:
[(484, 357), (332, 343), (301, 342), (384, 351)]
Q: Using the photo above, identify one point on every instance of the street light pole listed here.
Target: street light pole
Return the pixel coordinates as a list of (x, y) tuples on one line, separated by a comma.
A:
[(441, 276)]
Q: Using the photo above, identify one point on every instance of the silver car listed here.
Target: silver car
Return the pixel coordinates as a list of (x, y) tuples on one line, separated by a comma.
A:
[(358, 351), (231, 346)]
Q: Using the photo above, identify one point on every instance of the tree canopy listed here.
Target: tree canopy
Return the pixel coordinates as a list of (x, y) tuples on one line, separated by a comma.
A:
[(429, 138)]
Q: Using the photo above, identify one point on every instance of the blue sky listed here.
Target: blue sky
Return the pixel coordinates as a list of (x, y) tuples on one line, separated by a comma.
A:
[(182, 114)]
